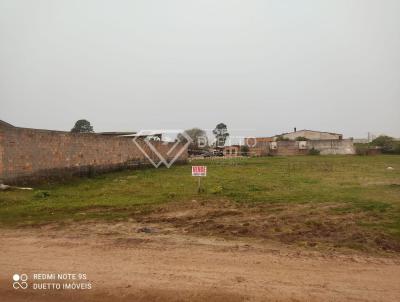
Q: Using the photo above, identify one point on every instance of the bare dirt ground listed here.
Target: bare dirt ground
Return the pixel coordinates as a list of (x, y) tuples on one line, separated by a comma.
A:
[(191, 253)]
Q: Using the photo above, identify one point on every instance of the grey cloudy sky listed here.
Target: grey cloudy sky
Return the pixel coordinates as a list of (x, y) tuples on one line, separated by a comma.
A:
[(265, 66)]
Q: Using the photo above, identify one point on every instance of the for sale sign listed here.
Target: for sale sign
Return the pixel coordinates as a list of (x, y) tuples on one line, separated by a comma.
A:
[(199, 170)]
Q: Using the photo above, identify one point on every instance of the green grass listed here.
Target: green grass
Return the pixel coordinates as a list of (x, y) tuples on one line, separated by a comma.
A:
[(357, 184)]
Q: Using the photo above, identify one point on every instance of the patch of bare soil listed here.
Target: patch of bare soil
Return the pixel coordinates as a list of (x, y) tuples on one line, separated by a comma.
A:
[(308, 225), (177, 254)]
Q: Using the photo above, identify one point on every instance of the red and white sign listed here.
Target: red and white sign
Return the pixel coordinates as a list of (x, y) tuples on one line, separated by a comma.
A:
[(199, 170)]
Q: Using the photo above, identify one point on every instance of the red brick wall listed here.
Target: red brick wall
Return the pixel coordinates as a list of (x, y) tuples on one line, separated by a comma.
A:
[(27, 154), (1, 154)]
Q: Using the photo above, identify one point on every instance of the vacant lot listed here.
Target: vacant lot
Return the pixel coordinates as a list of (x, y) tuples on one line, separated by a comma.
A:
[(314, 201), (308, 228)]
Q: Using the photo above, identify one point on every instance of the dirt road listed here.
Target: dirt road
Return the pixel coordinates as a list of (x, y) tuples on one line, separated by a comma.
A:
[(126, 262)]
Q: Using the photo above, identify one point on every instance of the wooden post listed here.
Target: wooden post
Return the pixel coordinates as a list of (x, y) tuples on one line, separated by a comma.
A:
[(199, 184)]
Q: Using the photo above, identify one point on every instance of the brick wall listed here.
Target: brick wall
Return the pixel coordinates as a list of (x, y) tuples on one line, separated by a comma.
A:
[(326, 147), (285, 148), (1, 152), (28, 155)]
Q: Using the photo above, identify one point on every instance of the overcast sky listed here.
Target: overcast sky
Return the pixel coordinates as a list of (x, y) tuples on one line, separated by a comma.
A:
[(261, 67)]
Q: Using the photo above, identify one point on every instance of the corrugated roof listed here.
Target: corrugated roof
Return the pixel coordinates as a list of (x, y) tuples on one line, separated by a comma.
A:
[(310, 131)]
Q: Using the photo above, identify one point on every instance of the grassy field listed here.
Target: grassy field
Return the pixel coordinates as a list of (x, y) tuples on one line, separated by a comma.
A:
[(359, 187)]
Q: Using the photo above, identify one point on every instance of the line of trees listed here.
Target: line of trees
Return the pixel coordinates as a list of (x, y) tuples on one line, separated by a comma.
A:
[(198, 137)]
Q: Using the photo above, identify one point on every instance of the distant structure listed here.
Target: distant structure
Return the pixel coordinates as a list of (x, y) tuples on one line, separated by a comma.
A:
[(4, 124), (258, 146), (310, 135), (253, 141), (231, 151), (289, 143)]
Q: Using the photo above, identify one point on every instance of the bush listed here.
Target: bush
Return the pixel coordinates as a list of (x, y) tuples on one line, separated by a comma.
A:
[(301, 138), (313, 151)]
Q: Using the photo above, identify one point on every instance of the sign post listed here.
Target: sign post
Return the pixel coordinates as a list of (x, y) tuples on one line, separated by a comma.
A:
[(199, 172)]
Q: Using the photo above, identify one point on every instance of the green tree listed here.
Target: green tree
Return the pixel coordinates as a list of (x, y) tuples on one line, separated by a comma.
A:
[(198, 137), (221, 134), (82, 126), (383, 141)]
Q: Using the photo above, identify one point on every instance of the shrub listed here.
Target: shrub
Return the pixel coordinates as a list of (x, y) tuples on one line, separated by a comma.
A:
[(313, 151)]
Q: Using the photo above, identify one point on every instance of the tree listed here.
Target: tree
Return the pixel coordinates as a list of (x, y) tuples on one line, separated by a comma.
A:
[(198, 137), (382, 141), (82, 126), (387, 143), (221, 134)]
